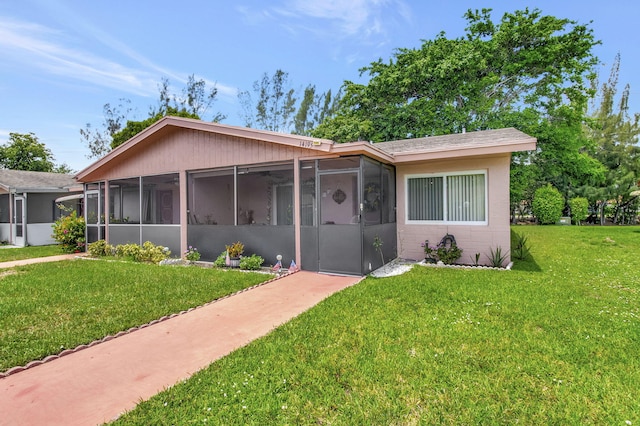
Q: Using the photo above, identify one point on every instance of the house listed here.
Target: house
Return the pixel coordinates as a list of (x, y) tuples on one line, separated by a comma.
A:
[(327, 206), (28, 205)]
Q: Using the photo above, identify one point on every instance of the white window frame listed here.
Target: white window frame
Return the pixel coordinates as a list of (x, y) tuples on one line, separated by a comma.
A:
[(445, 212)]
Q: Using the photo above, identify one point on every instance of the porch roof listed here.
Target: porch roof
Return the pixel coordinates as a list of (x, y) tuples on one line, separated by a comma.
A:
[(28, 181)]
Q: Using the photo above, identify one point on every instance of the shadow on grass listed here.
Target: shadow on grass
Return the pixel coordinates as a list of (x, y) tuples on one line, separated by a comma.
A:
[(528, 265)]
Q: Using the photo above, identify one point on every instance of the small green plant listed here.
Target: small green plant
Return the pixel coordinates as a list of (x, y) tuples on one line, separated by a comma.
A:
[(221, 260), (520, 246), (100, 248), (547, 205), (192, 254), (579, 209), (496, 257), (153, 253), (235, 250), (377, 244), (69, 232), (475, 261), (251, 263), (447, 251)]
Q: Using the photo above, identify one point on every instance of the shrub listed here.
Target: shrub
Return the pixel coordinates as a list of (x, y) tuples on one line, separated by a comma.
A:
[(253, 262), (100, 248), (547, 205), (128, 251), (192, 254), (579, 209), (150, 252), (447, 251), (221, 260), (69, 232)]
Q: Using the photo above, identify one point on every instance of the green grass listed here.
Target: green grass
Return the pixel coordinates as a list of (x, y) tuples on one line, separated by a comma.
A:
[(554, 341), (9, 254), (48, 307)]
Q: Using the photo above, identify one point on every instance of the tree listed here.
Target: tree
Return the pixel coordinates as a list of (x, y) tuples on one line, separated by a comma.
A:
[(25, 152), (314, 108), (194, 101), (615, 135), (525, 62), (275, 105), (134, 127)]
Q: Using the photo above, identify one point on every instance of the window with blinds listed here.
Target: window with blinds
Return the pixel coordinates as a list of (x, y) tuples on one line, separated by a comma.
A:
[(460, 198)]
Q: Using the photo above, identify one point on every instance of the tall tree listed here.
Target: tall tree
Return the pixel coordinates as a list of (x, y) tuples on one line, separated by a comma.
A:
[(526, 61), (274, 106), (26, 152), (314, 108), (615, 133), (195, 100)]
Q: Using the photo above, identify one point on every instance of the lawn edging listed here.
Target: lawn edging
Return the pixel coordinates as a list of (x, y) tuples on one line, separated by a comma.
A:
[(49, 358)]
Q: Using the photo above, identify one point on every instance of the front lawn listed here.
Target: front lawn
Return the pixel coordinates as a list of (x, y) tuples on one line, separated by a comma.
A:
[(20, 253), (554, 341), (49, 307)]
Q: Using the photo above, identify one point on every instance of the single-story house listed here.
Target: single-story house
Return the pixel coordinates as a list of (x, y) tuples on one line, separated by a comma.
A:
[(327, 206), (28, 205)]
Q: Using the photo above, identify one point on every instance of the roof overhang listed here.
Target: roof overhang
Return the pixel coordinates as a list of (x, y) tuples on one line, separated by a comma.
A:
[(168, 124)]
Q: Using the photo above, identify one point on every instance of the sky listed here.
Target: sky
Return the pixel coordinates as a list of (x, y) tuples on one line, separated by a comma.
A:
[(61, 61)]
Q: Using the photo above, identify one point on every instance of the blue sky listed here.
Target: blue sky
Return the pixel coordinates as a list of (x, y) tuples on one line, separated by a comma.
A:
[(62, 60)]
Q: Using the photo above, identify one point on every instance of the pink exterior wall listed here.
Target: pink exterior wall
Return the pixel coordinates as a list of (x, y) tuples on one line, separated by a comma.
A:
[(470, 238), (188, 149)]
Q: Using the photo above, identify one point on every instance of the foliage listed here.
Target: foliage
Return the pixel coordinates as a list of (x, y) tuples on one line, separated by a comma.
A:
[(134, 127), (314, 108), (252, 263), (221, 260), (528, 346), (69, 232), (275, 105), (520, 246), (579, 209), (496, 257), (475, 259), (377, 244), (547, 205), (526, 65), (615, 134), (100, 248), (152, 253), (235, 250), (446, 251), (193, 102), (128, 251), (53, 306), (26, 152), (192, 254)]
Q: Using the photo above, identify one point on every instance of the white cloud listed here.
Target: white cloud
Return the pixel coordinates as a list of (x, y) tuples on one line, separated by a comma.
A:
[(41, 47), (363, 18)]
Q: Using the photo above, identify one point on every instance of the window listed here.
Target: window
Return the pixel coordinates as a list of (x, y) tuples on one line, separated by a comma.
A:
[(447, 198)]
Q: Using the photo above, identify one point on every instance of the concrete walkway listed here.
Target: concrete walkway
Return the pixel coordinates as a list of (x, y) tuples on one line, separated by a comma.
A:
[(14, 263), (98, 384)]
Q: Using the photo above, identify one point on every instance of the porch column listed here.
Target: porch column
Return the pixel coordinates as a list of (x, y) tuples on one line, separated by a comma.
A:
[(297, 211), (105, 211), (184, 220)]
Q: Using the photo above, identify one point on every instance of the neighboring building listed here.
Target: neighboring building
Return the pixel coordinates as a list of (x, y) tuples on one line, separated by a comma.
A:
[(186, 182), (28, 205)]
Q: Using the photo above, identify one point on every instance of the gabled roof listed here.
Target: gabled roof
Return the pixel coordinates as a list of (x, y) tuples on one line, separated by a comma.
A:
[(26, 181), (169, 123), (487, 142)]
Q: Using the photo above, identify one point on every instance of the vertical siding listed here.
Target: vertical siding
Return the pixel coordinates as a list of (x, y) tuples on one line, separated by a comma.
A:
[(471, 238), (188, 149)]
